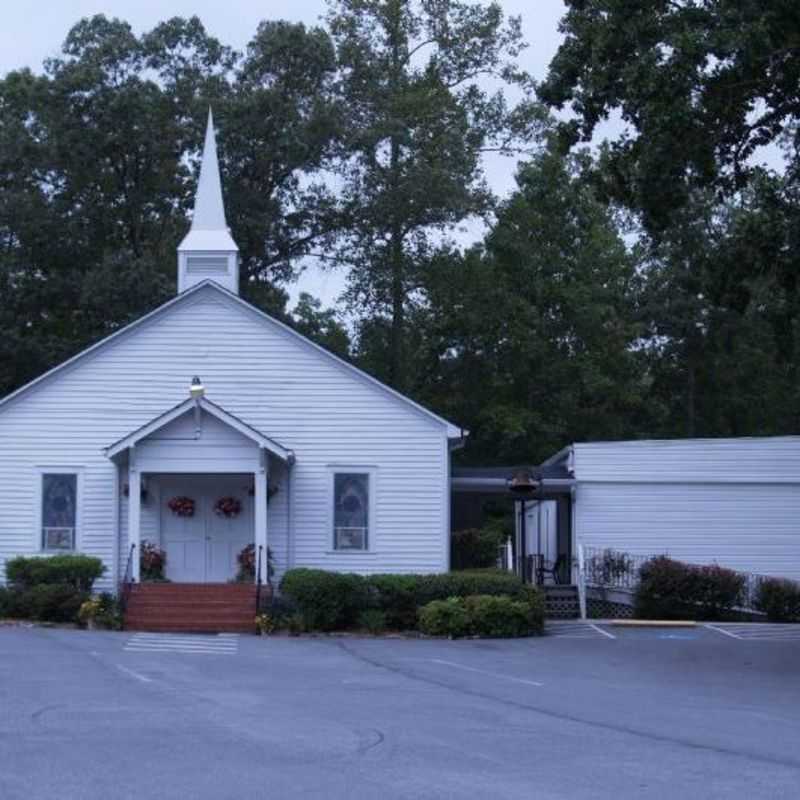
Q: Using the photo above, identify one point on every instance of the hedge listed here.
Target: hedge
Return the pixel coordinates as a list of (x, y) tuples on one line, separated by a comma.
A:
[(78, 571), (330, 600), (327, 600), (481, 615), (445, 618), (779, 599), (670, 589), (46, 603), (48, 588)]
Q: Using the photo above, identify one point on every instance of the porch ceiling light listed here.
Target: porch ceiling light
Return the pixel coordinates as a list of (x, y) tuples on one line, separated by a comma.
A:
[(522, 483), (197, 389)]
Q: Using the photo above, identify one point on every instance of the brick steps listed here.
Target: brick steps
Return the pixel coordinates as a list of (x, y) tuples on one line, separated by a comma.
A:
[(190, 627), (192, 608)]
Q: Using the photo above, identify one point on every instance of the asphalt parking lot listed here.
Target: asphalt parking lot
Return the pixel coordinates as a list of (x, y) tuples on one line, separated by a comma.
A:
[(589, 711)]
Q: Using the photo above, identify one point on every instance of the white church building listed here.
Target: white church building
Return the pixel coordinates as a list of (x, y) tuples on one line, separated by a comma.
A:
[(207, 426)]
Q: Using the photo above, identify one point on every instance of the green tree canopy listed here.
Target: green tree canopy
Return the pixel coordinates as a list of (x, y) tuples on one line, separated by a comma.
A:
[(702, 85), (535, 336), (416, 118)]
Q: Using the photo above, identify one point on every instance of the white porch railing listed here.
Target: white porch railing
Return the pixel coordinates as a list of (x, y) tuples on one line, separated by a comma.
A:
[(581, 581)]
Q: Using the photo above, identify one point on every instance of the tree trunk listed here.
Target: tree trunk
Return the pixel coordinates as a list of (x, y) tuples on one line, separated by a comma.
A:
[(397, 335), (691, 378)]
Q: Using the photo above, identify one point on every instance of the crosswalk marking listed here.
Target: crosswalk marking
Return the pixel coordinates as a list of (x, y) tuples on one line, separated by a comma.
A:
[(574, 630), (178, 643), (758, 631)]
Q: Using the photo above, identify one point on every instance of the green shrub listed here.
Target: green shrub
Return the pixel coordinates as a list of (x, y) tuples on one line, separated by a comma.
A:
[(296, 624), (102, 611), (48, 603), (670, 589), (475, 548), (75, 570), (396, 597), (498, 617), (331, 601), (494, 616), (779, 599), (444, 618), (463, 584), (372, 620), (6, 601), (326, 600), (534, 598)]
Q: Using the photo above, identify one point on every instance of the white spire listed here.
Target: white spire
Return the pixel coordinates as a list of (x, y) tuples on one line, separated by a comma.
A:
[(209, 212), (200, 254)]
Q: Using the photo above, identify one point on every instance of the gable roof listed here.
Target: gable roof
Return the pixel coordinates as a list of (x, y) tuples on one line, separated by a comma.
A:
[(214, 410), (453, 431)]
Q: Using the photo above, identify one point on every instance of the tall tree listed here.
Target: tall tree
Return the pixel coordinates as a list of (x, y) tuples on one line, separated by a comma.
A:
[(702, 85), (535, 336), (721, 308), (96, 186), (416, 118)]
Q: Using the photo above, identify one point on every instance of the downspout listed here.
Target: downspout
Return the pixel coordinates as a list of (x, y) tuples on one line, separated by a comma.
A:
[(115, 549), (290, 545)]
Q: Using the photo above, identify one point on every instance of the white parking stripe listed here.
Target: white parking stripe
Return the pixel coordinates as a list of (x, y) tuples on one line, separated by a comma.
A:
[(180, 643), (138, 676), (720, 630), (759, 631), (600, 630), (575, 630), (484, 672)]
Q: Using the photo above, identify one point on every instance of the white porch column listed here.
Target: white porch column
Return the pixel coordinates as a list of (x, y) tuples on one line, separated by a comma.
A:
[(134, 514), (261, 533)]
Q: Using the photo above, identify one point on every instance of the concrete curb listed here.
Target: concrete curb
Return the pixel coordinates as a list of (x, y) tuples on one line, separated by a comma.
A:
[(653, 623)]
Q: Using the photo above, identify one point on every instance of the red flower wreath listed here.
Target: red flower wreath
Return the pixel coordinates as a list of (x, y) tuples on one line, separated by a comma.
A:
[(181, 506), (227, 507)]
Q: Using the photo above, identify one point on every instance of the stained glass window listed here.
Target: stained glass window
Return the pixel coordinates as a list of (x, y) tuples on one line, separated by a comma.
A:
[(59, 498), (350, 510)]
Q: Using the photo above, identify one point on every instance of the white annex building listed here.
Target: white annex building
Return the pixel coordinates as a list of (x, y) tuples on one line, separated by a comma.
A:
[(207, 426), (728, 501)]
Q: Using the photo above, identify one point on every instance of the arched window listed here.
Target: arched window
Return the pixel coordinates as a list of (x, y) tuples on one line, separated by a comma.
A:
[(350, 510)]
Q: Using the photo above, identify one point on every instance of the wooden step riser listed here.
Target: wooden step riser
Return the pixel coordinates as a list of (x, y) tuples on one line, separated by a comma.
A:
[(156, 607), (191, 628), (155, 611), (193, 622), (177, 598), (192, 592)]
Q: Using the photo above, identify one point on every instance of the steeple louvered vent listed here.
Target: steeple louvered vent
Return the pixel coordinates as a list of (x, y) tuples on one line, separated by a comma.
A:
[(207, 266)]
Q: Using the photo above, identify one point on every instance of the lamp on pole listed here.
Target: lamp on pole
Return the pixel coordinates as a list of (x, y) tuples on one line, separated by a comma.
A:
[(522, 485)]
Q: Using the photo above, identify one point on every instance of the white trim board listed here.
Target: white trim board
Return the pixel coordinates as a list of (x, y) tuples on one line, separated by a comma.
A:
[(204, 404)]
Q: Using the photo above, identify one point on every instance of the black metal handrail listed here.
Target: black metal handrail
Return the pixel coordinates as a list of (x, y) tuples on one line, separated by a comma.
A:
[(258, 579), (127, 581)]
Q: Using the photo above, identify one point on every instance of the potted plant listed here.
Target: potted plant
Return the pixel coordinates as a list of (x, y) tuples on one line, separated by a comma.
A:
[(153, 561)]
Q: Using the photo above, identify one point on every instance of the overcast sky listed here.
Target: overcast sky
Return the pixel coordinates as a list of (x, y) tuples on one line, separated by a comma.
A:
[(33, 30)]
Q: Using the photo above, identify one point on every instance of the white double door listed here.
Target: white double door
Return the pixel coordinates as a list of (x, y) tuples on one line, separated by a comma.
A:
[(203, 548)]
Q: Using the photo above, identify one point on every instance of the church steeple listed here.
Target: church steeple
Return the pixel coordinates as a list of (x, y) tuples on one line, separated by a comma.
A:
[(208, 251)]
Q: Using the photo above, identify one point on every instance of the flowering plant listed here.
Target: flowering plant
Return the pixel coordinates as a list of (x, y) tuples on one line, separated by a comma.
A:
[(247, 564), (153, 560), (181, 506), (266, 624), (227, 507)]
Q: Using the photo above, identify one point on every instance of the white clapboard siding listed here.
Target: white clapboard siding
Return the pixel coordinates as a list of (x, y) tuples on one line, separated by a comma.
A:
[(774, 459), (269, 378), (733, 502)]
